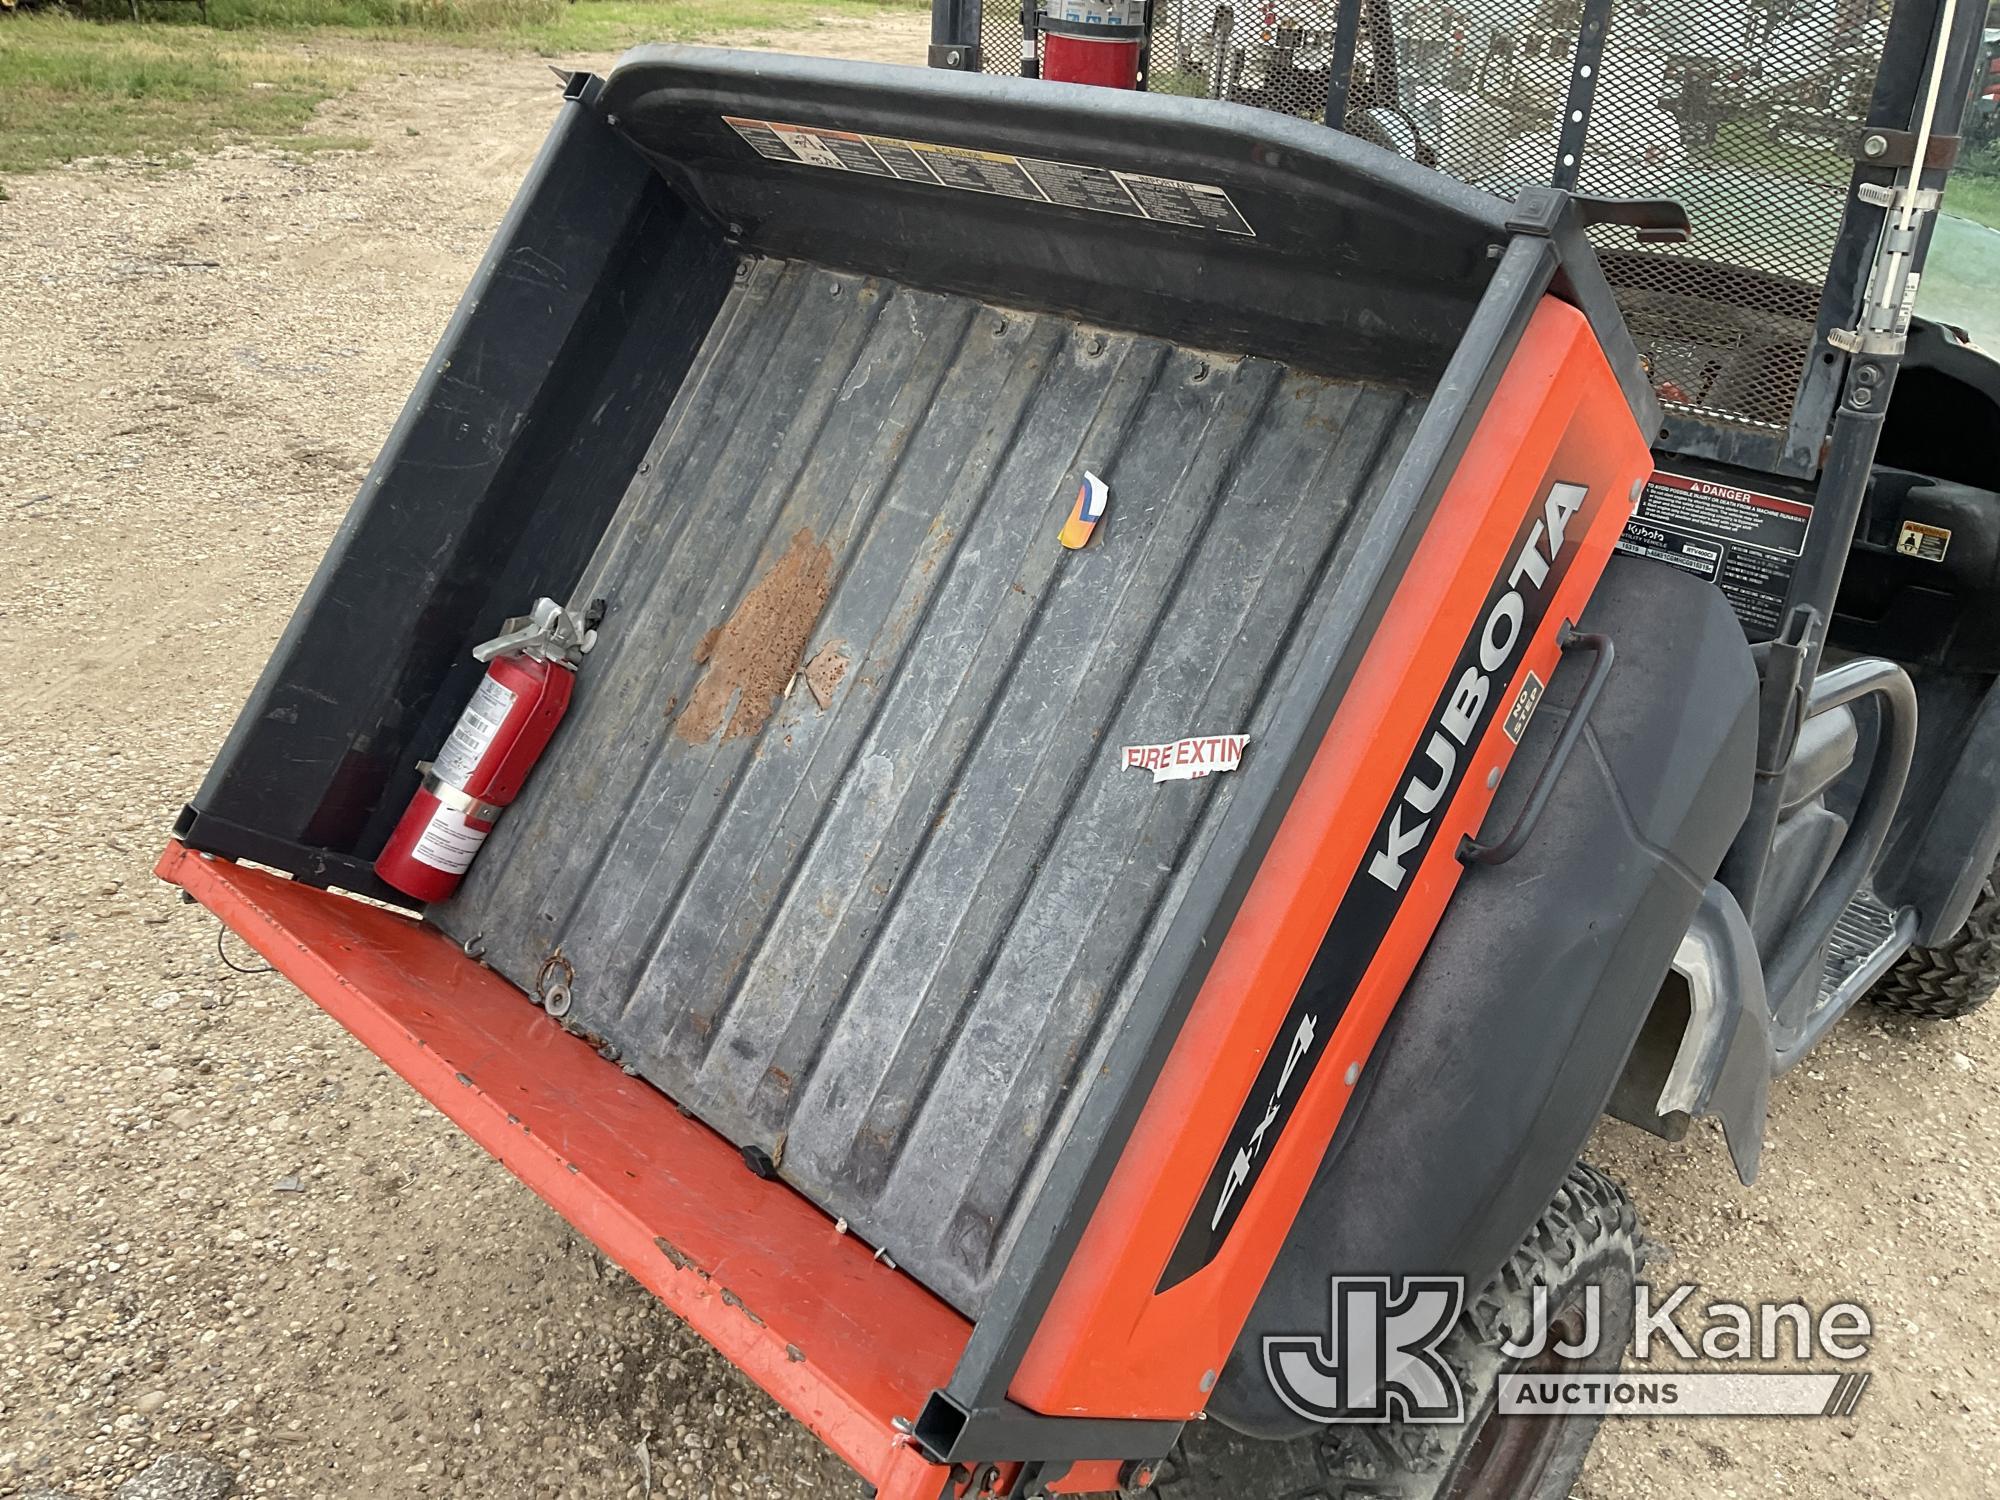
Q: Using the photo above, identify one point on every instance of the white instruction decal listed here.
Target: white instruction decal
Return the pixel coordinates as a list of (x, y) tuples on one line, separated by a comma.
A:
[(448, 842), (1745, 542), (1185, 760), (474, 733), (1136, 195)]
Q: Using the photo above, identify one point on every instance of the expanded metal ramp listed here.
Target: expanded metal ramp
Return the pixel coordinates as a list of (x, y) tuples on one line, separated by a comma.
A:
[(836, 846)]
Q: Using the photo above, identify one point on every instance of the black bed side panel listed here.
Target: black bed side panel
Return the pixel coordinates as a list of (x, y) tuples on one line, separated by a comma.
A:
[(493, 488), (1501, 1054)]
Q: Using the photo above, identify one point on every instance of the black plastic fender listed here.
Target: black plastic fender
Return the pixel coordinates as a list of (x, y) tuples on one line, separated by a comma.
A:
[(1517, 1024), (1948, 853)]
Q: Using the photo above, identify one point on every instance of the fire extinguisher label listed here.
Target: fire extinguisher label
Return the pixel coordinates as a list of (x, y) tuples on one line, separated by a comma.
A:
[(471, 738), (448, 842)]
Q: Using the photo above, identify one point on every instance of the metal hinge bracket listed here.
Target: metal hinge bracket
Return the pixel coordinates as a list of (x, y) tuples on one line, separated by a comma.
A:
[(1898, 148), (1885, 321), (958, 57), (1882, 195)]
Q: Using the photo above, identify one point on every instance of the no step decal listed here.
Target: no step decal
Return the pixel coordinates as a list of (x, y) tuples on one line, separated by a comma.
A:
[(1135, 195)]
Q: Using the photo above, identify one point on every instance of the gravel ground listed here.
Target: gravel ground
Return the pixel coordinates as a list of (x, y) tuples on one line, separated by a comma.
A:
[(229, 1236)]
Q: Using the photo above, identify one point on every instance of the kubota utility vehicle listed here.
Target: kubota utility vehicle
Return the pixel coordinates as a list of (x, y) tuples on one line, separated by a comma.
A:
[(1148, 703)]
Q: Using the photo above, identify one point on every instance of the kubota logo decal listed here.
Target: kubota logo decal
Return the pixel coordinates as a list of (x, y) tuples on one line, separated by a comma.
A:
[(1471, 697), (1464, 711)]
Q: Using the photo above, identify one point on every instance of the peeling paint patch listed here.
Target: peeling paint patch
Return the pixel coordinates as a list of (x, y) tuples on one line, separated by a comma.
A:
[(679, 1259)]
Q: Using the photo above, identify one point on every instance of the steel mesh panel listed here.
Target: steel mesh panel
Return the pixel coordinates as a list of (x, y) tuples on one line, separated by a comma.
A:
[(1273, 56), (999, 39), (1744, 111), (1485, 87), (1747, 114)]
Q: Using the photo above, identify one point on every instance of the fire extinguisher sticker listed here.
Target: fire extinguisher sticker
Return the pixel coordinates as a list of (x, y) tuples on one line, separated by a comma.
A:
[(448, 842), (472, 736)]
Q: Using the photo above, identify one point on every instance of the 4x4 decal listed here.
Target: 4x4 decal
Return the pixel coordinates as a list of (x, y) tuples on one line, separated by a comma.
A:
[(1473, 694)]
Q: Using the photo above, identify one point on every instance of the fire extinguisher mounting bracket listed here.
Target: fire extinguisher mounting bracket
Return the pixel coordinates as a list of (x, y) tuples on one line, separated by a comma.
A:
[(472, 807), (548, 631)]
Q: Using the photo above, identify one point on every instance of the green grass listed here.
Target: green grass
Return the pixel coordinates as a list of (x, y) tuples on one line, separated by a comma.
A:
[(96, 83), (1975, 198), (1973, 190), (533, 25), (69, 88), (609, 25), (1755, 144)]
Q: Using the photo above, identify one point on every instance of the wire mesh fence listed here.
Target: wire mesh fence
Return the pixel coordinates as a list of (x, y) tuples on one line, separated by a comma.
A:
[(1747, 112)]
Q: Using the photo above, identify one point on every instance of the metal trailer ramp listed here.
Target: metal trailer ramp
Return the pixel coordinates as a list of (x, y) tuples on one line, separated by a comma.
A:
[(877, 920)]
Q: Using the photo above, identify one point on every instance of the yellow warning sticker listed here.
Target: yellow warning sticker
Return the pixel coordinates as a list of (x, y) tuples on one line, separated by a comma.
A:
[(1136, 195), (1926, 543)]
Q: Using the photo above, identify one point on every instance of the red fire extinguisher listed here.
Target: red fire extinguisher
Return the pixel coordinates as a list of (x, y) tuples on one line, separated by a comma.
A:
[(1093, 41), (493, 747)]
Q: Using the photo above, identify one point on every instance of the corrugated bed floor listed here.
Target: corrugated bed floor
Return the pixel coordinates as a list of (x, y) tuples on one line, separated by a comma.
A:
[(874, 918)]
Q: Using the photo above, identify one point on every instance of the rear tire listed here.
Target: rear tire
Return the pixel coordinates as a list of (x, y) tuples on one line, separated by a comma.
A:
[(1588, 1235), (1956, 977)]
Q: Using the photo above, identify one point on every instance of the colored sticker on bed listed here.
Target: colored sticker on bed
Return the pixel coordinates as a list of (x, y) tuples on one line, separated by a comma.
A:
[(1091, 499)]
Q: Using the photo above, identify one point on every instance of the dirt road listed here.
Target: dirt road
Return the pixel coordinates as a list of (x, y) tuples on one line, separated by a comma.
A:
[(225, 1231)]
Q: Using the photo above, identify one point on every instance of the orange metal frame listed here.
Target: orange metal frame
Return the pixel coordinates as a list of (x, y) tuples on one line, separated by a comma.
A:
[(842, 1341), (1109, 1344)]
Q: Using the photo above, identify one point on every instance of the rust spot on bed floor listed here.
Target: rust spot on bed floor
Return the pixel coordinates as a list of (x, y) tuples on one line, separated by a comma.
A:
[(824, 671), (754, 653)]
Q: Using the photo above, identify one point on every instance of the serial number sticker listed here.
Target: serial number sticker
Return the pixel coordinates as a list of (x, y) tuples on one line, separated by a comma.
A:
[(1066, 184), (474, 732), (1927, 543)]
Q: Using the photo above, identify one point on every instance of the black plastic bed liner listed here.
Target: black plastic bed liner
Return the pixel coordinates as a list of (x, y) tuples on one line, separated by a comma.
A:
[(876, 927)]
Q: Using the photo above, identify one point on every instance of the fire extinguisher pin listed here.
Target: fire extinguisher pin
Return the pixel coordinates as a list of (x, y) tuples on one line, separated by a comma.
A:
[(549, 631)]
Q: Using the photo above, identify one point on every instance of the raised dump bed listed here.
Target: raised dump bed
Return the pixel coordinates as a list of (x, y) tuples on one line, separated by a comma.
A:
[(836, 846), (858, 842)]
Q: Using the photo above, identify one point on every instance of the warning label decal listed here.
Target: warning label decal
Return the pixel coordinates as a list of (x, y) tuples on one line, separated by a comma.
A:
[(1915, 539), (1744, 542), (1135, 195)]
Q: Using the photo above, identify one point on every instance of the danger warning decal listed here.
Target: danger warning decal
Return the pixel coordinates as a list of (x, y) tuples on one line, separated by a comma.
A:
[(1745, 543), (1136, 195), (1473, 694)]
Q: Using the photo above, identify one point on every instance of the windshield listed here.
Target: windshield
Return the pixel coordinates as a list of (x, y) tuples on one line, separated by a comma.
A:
[(1961, 284)]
